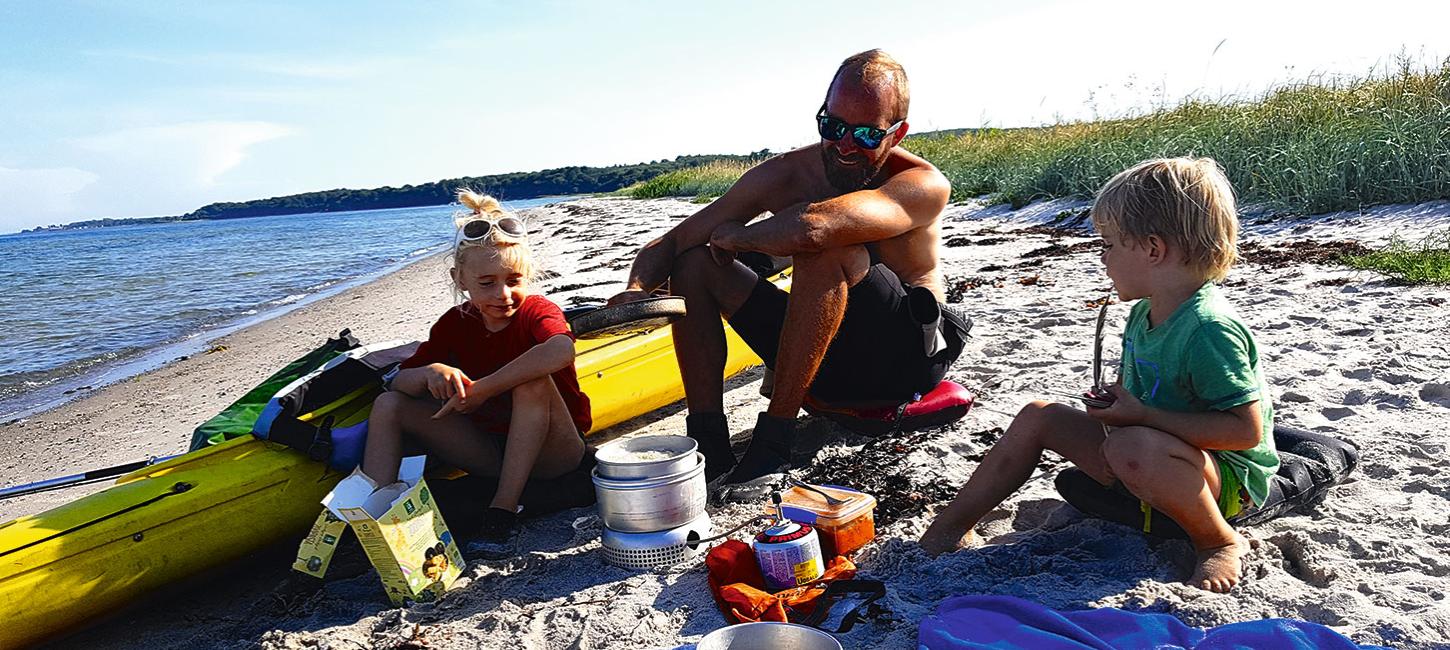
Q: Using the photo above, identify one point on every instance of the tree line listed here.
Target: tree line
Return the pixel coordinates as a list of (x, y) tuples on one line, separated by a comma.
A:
[(511, 186)]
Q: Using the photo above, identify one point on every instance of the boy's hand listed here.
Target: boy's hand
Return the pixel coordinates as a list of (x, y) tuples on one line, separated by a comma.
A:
[(1125, 410), (476, 393), (445, 381), (466, 401)]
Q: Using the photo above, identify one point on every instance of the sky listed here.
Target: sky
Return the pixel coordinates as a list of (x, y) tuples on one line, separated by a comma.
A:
[(126, 109)]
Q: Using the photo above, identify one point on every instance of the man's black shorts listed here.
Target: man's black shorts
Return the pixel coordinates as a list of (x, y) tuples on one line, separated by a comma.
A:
[(883, 349)]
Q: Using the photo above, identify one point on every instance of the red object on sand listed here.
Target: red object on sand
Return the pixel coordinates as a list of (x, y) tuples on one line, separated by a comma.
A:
[(739, 588), (946, 403)]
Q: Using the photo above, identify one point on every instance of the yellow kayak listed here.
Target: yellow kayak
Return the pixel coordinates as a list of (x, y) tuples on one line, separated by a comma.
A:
[(61, 568)]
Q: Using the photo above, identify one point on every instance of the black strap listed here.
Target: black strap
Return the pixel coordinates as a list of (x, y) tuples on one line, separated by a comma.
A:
[(837, 591), (313, 440)]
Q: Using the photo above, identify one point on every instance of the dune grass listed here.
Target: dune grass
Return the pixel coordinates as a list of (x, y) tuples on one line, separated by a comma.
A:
[(1310, 147), (703, 183), (1315, 146), (1423, 262)]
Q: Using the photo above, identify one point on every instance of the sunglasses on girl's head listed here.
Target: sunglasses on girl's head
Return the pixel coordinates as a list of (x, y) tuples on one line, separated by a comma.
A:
[(481, 228), (866, 137)]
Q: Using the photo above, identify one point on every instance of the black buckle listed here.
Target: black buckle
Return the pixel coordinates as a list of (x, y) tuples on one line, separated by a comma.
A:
[(320, 449)]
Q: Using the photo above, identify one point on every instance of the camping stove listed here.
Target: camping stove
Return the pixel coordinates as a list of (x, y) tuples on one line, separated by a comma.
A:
[(656, 550)]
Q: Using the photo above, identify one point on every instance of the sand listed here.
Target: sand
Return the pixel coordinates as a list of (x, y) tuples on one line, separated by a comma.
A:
[(1347, 352)]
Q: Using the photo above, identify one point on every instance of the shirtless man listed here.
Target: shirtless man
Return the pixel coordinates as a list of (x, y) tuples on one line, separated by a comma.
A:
[(862, 322)]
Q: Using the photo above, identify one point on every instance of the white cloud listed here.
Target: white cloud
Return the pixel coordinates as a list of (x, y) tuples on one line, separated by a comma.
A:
[(147, 171), (190, 153), (39, 196)]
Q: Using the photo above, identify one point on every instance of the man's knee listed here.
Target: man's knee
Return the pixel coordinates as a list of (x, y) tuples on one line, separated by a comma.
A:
[(692, 268), (851, 261)]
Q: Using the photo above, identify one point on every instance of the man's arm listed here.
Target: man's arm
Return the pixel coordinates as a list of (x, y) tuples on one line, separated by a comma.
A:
[(910, 199), (741, 203)]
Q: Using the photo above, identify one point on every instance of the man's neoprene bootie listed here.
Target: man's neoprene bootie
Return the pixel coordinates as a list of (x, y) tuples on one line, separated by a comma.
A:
[(769, 450), (712, 433)]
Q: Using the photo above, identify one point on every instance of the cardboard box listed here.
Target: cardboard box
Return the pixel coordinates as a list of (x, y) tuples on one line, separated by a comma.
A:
[(400, 529), (317, 547)]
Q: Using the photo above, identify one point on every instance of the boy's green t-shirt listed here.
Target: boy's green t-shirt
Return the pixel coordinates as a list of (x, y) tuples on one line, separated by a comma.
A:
[(1202, 358)]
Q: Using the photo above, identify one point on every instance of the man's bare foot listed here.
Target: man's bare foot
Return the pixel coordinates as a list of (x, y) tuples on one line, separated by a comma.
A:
[(1220, 567), (935, 542)]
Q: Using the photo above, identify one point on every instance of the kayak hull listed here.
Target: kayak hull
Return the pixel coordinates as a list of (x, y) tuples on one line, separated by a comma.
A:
[(62, 568)]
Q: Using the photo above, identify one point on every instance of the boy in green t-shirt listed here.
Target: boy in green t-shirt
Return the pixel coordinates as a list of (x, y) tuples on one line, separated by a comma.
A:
[(1189, 429)]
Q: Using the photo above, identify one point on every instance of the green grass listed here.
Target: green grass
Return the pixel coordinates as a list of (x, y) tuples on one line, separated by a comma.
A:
[(1424, 262), (1309, 147), (1312, 147), (705, 182)]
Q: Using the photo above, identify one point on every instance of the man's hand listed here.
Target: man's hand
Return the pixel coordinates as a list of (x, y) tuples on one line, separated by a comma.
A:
[(628, 295), (1126, 410), (725, 242)]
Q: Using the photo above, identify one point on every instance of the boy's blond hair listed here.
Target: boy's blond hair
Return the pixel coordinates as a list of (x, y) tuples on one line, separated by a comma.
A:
[(1187, 202), (512, 251)]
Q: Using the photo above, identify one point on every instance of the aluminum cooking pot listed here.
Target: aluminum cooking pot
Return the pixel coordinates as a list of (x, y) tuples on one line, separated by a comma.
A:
[(651, 504)]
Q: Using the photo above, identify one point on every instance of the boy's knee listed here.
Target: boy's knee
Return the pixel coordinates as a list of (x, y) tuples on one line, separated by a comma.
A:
[(541, 388), (389, 402), (1035, 415), (1128, 450)]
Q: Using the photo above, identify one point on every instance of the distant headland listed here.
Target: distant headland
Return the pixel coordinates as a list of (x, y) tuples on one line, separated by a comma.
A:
[(514, 185)]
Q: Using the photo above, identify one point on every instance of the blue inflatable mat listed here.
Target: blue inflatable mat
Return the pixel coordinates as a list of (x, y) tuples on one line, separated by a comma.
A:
[(1007, 622)]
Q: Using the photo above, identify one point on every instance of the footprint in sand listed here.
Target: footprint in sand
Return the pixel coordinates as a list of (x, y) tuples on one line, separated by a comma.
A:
[(1362, 374), (1436, 393)]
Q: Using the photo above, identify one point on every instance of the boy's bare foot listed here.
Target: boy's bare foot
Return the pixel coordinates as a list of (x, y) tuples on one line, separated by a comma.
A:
[(935, 543), (1219, 567)]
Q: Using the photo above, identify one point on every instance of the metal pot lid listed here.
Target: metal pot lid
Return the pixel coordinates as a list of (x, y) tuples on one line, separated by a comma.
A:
[(628, 318), (785, 531)]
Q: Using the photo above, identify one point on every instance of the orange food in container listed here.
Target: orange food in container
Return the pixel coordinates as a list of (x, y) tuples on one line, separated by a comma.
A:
[(843, 528)]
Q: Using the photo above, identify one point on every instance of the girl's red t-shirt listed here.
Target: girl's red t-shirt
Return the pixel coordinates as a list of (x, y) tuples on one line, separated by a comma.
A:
[(461, 340)]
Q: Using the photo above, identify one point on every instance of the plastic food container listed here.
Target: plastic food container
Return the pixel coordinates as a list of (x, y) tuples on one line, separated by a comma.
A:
[(842, 528)]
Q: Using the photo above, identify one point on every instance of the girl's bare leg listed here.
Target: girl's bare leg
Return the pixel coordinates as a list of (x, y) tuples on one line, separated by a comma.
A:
[(1038, 426), (1181, 481), (453, 438), (542, 441)]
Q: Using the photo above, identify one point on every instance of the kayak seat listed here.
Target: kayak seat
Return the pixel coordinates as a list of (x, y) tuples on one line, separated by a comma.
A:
[(1309, 465), (946, 403)]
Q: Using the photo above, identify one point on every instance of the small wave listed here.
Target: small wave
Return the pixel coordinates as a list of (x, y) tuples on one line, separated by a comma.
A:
[(289, 299), (320, 285)]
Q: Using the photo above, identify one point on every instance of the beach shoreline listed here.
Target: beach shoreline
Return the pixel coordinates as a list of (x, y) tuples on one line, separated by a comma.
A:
[(1348, 352)]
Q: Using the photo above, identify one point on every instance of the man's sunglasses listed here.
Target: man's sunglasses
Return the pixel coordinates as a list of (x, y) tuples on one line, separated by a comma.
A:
[(480, 228), (866, 137)]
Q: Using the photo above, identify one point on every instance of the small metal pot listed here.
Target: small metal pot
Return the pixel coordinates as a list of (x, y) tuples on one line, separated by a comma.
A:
[(766, 634), (652, 504), (617, 460)]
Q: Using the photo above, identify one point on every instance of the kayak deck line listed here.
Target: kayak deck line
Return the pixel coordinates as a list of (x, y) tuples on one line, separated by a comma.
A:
[(179, 488)]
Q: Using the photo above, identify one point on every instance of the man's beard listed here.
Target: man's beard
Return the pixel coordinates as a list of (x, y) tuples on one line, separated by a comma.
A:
[(848, 178)]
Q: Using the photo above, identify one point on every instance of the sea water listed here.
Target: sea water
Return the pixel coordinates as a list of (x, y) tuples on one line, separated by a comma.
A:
[(85, 307)]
